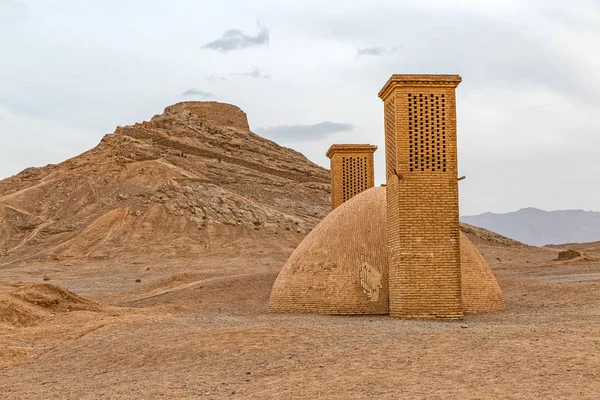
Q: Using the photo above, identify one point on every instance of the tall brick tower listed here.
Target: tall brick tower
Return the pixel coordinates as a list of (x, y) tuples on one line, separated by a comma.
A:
[(422, 196), (352, 171)]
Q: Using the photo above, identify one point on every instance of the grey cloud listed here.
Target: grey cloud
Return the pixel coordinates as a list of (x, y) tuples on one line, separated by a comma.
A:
[(216, 78), (196, 92), (297, 133), (370, 51), (235, 39), (256, 73), (487, 51), (484, 47)]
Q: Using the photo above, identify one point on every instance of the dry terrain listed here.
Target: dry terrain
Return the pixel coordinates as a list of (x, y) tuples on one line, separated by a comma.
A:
[(198, 328), (142, 269)]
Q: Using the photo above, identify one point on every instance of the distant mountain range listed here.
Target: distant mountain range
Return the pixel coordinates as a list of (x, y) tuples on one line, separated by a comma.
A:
[(538, 227)]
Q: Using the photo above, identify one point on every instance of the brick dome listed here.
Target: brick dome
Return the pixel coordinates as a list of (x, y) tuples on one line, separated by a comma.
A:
[(341, 266)]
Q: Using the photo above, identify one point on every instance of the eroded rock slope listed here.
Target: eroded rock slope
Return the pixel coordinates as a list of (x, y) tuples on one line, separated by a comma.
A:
[(188, 178)]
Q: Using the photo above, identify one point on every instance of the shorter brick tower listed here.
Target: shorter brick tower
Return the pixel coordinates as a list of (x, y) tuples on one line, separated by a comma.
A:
[(352, 171), (422, 196)]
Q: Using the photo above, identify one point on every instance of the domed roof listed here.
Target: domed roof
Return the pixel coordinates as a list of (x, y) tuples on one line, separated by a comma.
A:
[(341, 266)]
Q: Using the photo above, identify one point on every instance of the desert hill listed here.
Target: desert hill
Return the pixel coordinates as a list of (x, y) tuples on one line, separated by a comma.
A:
[(23, 305), (589, 250), (190, 178), (590, 247)]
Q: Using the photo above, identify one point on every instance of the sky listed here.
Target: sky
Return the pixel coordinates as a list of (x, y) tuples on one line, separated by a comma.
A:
[(307, 74)]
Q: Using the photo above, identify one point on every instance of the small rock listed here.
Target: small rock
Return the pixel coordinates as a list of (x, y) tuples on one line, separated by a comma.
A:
[(567, 255)]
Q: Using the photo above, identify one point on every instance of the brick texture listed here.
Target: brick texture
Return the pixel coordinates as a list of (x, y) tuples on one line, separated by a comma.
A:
[(341, 267), (479, 287), (422, 196), (352, 171)]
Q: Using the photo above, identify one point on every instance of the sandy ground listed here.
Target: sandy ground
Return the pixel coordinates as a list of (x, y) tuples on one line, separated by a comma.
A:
[(198, 328)]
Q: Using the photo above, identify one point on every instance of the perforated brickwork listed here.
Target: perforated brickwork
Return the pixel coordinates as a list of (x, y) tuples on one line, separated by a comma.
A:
[(426, 132), (355, 178), (351, 171), (422, 196), (390, 134)]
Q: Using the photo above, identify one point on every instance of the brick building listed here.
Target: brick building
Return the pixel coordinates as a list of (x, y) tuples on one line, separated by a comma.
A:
[(352, 171), (341, 266), (399, 249), (422, 195)]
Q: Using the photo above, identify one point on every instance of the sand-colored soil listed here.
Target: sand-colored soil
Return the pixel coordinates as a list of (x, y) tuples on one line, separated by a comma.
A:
[(198, 328)]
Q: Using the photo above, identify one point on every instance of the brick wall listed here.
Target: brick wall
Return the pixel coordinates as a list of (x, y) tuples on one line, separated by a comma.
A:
[(422, 196), (352, 171), (341, 267)]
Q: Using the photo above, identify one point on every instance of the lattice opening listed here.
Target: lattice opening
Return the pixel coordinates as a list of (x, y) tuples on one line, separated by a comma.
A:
[(427, 132), (355, 177), (390, 135)]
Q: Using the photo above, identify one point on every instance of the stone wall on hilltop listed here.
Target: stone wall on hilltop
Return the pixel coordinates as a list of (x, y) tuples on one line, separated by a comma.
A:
[(214, 113)]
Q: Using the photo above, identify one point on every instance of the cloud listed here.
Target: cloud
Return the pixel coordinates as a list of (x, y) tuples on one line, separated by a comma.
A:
[(196, 92), (216, 78), (297, 133), (255, 73), (370, 51), (235, 39)]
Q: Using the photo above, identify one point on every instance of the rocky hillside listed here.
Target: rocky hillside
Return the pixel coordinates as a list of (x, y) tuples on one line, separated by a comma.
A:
[(483, 236), (177, 184)]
